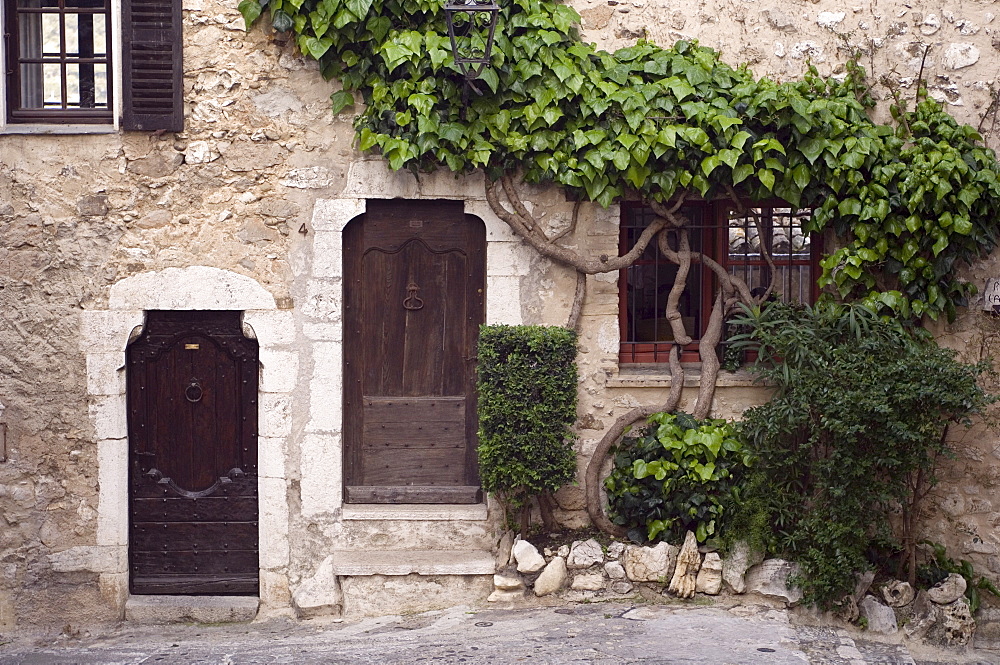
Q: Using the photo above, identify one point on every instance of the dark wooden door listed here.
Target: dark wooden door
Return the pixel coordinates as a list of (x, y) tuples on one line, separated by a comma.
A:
[(192, 427), (414, 300)]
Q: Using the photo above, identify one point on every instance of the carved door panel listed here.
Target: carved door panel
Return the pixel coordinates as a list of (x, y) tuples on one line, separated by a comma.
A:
[(192, 426), (414, 300)]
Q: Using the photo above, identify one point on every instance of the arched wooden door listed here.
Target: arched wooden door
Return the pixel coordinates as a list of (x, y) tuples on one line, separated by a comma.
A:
[(192, 427), (413, 303)]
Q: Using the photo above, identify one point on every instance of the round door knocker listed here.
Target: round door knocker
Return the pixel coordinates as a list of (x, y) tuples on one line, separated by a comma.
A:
[(193, 392), (411, 301)]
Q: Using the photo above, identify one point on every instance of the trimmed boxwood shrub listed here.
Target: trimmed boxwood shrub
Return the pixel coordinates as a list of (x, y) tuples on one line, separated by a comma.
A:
[(527, 404)]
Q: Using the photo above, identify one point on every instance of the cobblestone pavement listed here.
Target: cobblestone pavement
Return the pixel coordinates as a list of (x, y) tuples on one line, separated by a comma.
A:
[(599, 633)]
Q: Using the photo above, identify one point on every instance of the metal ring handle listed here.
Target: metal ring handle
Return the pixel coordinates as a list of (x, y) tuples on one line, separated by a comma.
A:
[(193, 393)]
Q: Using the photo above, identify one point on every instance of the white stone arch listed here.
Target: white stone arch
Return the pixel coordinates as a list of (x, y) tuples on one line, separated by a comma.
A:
[(104, 336)]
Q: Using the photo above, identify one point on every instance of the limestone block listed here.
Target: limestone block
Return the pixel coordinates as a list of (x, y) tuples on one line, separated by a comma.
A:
[(925, 616), (588, 582), (770, 578), (201, 152), (508, 581), (710, 575), (274, 551), (271, 327), (779, 20), (507, 258), (372, 179), (328, 254), (735, 566), (830, 20), (95, 205), (527, 557), (274, 591), (271, 455), (955, 625), (274, 415), (615, 570), (279, 371), (898, 594), (571, 497), (311, 177), (320, 486), (243, 156), (948, 590), (107, 412), (112, 504), (325, 398), (959, 56), (107, 331), (584, 554), (499, 596), (881, 619), (334, 214), (114, 589), (552, 578), (615, 550), (106, 373), (194, 287), (156, 219), (683, 582), (620, 587), (649, 564), (563, 551), (503, 300), (324, 299), (323, 332), (320, 595), (157, 164), (504, 549), (277, 101)]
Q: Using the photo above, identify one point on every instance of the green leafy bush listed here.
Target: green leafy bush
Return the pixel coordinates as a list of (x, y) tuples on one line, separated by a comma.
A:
[(853, 432), (680, 475), (527, 404)]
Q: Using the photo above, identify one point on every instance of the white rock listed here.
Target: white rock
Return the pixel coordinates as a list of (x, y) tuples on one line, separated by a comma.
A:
[(930, 25), (649, 564), (682, 584), (552, 578), (710, 575), (621, 587), (584, 554), (830, 20), (588, 582), (735, 565), (957, 56), (948, 590), (770, 578), (615, 549), (508, 582), (320, 595), (499, 596), (955, 624), (527, 557), (201, 152), (312, 177), (881, 619), (615, 570), (925, 616), (563, 551), (898, 594)]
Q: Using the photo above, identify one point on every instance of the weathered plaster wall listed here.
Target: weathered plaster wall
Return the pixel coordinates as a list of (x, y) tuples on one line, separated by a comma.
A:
[(260, 184)]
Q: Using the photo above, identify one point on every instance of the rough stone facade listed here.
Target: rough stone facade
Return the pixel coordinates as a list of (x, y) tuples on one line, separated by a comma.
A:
[(245, 210)]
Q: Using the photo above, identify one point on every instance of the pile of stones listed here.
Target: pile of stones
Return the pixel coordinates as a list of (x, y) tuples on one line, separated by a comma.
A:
[(587, 570)]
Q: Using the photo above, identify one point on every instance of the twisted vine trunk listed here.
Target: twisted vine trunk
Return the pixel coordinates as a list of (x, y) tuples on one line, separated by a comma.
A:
[(668, 220)]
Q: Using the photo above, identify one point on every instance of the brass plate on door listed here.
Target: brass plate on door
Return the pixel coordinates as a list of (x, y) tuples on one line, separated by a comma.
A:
[(192, 347)]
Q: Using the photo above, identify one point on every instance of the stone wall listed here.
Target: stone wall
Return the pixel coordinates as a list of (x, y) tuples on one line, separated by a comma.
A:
[(258, 187)]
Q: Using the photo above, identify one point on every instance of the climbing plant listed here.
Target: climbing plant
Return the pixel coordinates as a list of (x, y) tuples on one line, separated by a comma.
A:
[(908, 201)]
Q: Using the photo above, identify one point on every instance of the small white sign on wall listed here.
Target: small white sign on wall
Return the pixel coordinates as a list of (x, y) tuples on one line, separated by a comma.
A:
[(991, 295)]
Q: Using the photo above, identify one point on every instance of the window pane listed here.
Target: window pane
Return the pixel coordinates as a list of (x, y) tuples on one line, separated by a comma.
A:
[(53, 85), (31, 86), (101, 86), (50, 35)]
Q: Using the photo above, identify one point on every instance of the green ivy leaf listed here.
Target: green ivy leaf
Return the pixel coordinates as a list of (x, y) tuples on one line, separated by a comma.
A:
[(341, 99), (251, 10)]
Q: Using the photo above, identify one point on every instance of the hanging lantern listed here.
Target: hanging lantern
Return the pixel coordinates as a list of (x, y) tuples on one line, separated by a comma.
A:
[(470, 26)]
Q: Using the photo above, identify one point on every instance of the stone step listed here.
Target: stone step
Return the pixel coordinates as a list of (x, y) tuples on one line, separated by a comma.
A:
[(413, 562), (388, 528), (191, 609)]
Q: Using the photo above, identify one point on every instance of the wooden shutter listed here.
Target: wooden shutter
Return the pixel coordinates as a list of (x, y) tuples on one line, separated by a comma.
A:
[(152, 65)]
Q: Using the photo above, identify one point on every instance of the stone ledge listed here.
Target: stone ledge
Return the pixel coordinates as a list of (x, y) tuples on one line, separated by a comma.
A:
[(659, 377), (188, 609), (413, 562), (416, 512)]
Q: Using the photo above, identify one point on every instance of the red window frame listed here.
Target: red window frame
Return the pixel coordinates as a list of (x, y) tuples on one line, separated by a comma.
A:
[(711, 222)]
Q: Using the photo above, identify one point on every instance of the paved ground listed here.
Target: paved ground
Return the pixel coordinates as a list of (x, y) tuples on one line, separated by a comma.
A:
[(599, 633)]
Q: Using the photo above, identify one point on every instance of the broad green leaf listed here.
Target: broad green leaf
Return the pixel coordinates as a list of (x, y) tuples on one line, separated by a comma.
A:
[(251, 10), (339, 100)]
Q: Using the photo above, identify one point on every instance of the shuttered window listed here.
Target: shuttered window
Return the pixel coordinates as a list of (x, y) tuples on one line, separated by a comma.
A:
[(59, 66), (153, 67)]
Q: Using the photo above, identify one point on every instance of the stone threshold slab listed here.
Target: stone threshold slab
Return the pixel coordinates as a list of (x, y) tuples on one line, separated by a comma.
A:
[(191, 609), (413, 562), (416, 512)]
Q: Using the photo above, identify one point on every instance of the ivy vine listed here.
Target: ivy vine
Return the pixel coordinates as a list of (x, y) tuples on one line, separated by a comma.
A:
[(907, 201)]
